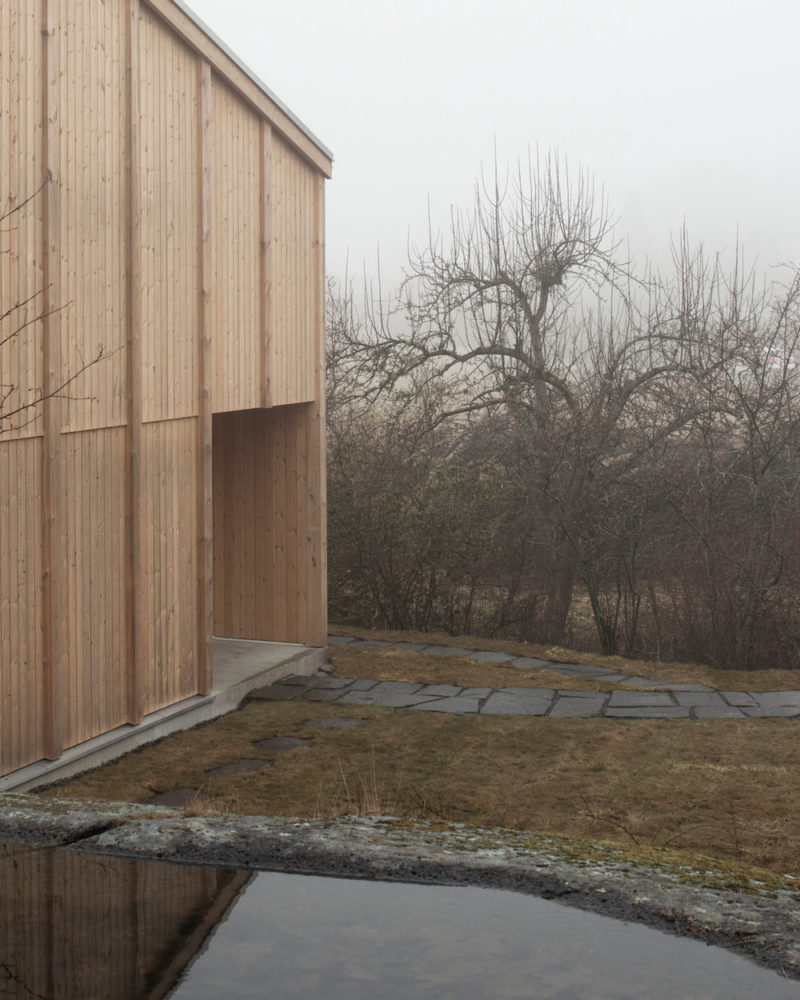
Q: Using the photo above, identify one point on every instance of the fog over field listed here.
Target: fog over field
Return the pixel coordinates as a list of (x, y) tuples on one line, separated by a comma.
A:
[(684, 111)]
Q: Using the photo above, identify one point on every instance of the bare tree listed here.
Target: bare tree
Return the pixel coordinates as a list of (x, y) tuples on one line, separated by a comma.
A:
[(19, 405), (525, 307)]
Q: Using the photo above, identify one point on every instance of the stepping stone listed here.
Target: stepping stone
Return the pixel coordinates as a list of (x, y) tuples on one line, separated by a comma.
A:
[(440, 690), (506, 703), (340, 640), (490, 656), (699, 698), (247, 765), (476, 692), (387, 699), (363, 685), (639, 699), (567, 707), (773, 712), (410, 647), (446, 651), (276, 692), (279, 743), (775, 699), (371, 643), (740, 698), (454, 706), (320, 694), (334, 722), (718, 712), (648, 712), (178, 797), (531, 663)]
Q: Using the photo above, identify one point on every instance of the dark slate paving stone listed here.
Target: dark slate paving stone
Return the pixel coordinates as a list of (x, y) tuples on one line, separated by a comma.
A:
[(504, 703), (411, 647), (445, 651), (567, 707), (440, 690), (322, 694), (178, 797), (318, 681), (371, 643), (362, 685), (247, 765), (476, 692), (772, 699), (297, 680), (386, 699), (773, 712), (340, 640), (529, 692), (644, 682), (532, 663), (648, 712), (453, 706), (686, 687), (569, 693), (490, 656), (334, 722), (639, 699), (277, 692), (279, 743), (741, 698), (717, 712), (699, 698)]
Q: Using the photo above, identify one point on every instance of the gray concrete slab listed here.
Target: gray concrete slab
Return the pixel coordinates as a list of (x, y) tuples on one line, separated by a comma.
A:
[(490, 656)]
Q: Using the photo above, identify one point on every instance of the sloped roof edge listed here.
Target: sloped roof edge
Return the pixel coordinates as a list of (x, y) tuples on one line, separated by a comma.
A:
[(212, 36)]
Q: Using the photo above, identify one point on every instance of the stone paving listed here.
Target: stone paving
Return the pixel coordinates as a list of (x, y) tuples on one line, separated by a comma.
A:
[(671, 701)]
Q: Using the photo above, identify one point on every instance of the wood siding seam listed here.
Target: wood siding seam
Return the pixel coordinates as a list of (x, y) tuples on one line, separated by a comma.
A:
[(134, 535), (205, 517)]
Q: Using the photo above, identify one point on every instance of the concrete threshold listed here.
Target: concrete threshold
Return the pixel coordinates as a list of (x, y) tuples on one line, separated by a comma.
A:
[(240, 666)]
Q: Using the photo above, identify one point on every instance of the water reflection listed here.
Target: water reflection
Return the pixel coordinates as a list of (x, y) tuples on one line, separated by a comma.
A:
[(84, 926)]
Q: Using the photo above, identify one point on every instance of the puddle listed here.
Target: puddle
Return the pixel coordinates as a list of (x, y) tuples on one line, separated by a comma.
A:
[(82, 926)]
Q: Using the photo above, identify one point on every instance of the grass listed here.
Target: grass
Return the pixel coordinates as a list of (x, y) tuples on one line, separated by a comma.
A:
[(726, 792), (667, 671)]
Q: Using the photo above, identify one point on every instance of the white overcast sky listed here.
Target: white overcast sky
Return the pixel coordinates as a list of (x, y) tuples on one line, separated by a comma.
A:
[(681, 110)]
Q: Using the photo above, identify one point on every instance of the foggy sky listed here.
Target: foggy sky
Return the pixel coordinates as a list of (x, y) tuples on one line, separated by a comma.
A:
[(686, 111)]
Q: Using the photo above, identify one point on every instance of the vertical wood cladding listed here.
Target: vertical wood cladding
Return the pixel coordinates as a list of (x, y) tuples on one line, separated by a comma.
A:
[(175, 228)]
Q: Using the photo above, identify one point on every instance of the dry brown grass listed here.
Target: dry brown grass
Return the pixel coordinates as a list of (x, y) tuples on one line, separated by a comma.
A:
[(682, 673), (726, 789)]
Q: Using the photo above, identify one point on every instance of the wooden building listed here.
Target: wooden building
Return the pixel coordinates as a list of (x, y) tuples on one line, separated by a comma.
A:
[(161, 290)]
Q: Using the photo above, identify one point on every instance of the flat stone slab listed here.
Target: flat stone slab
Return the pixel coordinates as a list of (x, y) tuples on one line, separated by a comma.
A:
[(410, 647), (490, 656), (648, 712), (532, 663), (699, 698), (246, 765), (440, 690), (718, 712), (769, 699), (371, 643), (178, 797), (740, 698), (455, 706), (321, 694), (277, 692), (774, 712), (279, 743), (578, 708), (386, 699), (446, 651), (638, 699), (505, 703), (340, 640), (335, 722)]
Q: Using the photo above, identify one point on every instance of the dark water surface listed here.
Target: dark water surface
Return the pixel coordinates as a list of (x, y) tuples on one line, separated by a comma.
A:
[(87, 926)]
